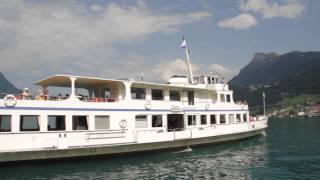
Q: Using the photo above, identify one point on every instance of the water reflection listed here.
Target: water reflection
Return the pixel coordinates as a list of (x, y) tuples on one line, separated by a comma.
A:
[(290, 150), (224, 161)]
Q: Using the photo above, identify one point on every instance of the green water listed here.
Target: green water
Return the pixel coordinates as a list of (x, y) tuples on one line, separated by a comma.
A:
[(289, 150)]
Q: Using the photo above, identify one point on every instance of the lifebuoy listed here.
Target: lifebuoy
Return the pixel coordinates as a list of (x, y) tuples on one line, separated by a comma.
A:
[(123, 123), (10, 100)]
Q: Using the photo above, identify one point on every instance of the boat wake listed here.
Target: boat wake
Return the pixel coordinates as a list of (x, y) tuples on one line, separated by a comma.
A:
[(188, 149), (264, 134)]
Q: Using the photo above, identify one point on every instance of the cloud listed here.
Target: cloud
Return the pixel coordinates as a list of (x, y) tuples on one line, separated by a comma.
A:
[(240, 22), (53, 37), (290, 10), (178, 67)]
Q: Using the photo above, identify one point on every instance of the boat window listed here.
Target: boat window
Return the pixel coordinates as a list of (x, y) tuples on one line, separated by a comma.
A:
[(222, 99), (56, 123), (156, 120), (157, 94), (175, 96), (212, 80), (192, 121), (79, 123), (231, 118), (29, 123), (141, 121), (222, 118), (190, 98), (203, 119), (245, 117), (213, 119), (5, 123), (138, 93), (228, 98), (209, 80), (102, 122), (238, 117)]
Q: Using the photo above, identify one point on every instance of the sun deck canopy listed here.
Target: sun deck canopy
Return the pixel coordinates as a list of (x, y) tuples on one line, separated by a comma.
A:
[(80, 82)]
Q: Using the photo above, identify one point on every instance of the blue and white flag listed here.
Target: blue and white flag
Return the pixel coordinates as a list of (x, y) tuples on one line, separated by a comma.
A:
[(183, 44)]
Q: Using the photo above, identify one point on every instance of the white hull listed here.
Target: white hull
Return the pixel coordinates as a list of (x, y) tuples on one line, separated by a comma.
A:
[(185, 114), (103, 150)]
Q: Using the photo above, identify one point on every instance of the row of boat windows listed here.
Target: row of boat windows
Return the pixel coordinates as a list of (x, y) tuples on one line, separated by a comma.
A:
[(157, 94), (55, 123), (141, 121), (58, 123)]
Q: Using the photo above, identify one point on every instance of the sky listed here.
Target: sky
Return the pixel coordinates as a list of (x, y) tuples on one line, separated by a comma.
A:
[(141, 38)]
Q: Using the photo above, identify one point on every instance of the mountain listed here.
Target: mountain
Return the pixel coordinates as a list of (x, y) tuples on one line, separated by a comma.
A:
[(6, 86), (259, 64), (290, 74)]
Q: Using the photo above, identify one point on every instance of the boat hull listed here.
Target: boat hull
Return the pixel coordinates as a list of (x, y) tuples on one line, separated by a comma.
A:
[(122, 148)]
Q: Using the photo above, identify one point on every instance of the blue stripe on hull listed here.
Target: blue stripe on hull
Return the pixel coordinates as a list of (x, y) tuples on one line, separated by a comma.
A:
[(99, 109)]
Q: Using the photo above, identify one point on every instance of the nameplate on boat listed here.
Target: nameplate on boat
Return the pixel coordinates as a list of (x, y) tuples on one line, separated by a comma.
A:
[(176, 109)]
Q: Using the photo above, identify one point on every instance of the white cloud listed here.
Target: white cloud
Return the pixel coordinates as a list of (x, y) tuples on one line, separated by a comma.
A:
[(290, 10), (240, 22), (69, 37), (178, 67)]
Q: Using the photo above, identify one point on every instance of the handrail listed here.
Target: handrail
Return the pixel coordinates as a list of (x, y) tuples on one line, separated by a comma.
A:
[(20, 97)]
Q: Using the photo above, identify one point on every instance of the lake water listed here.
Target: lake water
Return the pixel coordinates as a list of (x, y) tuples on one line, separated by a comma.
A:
[(289, 150)]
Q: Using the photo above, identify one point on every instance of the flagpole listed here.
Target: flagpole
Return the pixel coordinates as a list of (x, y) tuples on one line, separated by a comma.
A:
[(184, 45), (189, 65), (264, 104)]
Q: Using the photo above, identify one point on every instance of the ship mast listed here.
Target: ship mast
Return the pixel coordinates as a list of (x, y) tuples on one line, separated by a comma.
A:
[(184, 45)]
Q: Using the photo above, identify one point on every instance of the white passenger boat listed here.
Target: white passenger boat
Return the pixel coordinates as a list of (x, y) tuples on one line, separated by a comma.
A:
[(122, 116)]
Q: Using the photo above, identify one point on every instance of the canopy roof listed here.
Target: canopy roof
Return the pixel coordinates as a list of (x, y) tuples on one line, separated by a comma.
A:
[(81, 82), (88, 82)]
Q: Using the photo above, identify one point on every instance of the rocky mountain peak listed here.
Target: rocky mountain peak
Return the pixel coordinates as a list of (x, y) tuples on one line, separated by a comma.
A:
[(261, 57)]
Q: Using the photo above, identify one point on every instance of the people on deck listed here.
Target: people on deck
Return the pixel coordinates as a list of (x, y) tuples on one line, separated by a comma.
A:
[(46, 94), (59, 97), (25, 94), (40, 95)]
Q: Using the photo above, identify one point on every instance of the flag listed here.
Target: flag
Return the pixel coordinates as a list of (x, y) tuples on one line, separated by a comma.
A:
[(264, 95), (183, 44)]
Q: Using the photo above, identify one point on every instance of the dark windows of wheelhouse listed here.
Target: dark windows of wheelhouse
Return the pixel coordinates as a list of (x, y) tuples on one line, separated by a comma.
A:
[(79, 123), (175, 96), (29, 123), (228, 98), (5, 123), (56, 123), (157, 94), (138, 93)]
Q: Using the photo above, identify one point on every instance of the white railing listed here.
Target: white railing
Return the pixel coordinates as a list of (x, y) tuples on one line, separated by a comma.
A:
[(105, 134)]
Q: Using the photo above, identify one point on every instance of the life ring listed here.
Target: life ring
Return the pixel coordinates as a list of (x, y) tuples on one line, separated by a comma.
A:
[(10, 100), (123, 123), (147, 105)]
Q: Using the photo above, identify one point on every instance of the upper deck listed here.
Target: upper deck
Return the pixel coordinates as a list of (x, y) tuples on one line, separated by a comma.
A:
[(205, 91)]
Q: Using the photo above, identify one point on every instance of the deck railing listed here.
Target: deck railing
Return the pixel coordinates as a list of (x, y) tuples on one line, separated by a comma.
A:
[(52, 98)]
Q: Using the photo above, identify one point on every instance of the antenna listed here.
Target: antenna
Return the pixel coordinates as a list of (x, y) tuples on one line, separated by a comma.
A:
[(184, 45), (264, 104)]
